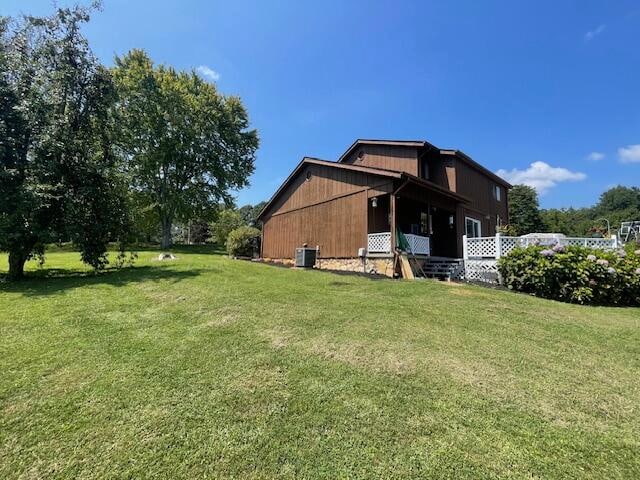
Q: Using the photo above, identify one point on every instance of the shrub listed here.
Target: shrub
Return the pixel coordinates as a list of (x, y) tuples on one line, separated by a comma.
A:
[(575, 274), (228, 220), (243, 241)]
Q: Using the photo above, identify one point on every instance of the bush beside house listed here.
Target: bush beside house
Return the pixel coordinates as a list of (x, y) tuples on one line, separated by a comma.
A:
[(243, 241), (575, 274)]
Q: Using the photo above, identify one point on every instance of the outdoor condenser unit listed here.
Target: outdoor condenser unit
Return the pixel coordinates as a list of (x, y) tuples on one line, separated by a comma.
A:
[(305, 257)]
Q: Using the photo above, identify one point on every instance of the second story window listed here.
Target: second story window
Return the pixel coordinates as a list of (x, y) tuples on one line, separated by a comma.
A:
[(497, 192)]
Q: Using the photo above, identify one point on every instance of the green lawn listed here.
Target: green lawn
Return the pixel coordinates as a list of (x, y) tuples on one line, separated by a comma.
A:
[(209, 367)]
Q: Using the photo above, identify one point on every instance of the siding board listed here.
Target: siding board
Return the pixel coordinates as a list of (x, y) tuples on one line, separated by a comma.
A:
[(325, 207), (400, 159), (479, 189), (338, 227)]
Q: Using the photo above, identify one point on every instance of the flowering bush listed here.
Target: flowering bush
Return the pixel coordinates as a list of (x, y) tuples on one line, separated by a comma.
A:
[(575, 274)]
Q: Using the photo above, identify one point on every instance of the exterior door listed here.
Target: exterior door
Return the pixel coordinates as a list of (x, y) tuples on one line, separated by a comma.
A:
[(443, 241)]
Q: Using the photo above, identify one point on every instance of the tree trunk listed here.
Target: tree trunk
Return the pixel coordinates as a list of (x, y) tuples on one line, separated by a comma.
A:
[(16, 265), (166, 242)]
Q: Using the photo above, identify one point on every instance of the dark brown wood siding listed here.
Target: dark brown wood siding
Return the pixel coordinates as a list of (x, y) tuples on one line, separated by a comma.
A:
[(319, 183), (401, 159), (479, 189), (441, 170), (325, 207), (337, 227)]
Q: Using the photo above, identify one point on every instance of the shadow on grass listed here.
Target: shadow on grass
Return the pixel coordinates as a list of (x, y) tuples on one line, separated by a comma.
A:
[(196, 249), (50, 281), (144, 247)]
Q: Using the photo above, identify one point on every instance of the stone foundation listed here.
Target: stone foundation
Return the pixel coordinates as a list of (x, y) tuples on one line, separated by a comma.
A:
[(375, 266), (372, 265), (289, 262)]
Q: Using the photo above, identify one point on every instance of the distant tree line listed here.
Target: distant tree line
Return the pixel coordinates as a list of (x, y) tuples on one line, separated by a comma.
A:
[(92, 155), (217, 227), (616, 205)]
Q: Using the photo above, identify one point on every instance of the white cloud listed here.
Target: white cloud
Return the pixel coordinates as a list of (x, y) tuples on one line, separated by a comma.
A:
[(208, 73), (595, 156), (591, 34), (629, 154), (541, 176)]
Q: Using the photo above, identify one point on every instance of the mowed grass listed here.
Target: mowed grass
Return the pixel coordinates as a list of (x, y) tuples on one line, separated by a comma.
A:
[(210, 367)]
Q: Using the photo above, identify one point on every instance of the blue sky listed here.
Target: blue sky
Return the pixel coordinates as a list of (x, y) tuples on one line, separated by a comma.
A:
[(546, 91)]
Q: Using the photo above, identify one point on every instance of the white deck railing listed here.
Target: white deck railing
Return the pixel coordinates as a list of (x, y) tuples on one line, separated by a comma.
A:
[(418, 245), (381, 243), (481, 254), (500, 245)]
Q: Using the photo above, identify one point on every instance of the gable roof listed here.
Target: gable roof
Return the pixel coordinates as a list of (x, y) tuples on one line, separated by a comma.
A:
[(391, 143), (471, 162), (424, 144), (316, 161), (382, 172)]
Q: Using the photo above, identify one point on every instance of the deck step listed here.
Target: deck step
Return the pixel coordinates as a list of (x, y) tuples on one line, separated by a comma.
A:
[(443, 268)]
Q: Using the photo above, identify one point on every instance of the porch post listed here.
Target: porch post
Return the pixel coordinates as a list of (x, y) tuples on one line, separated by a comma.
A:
[(392, 211), (464, 247), (499, 253)]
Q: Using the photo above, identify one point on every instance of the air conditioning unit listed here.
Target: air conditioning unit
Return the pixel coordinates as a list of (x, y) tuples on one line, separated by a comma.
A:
[(305, 257)]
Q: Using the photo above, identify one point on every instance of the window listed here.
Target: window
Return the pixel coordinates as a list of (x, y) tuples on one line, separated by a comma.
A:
[(497, 192), (473, 227)]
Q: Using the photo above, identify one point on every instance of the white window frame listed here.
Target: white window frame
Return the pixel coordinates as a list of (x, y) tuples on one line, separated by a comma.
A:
[(476, 222), (497, 192)]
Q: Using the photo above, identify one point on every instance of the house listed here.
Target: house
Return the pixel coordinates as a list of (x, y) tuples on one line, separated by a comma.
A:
[(378, 196)]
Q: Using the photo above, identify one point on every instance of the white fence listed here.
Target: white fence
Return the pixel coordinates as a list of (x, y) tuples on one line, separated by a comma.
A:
[(381, 243), (481, 254)]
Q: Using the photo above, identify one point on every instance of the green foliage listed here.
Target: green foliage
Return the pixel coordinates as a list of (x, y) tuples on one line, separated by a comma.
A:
[(199, 231), (145, 219), (59, 175), (188, 145), (243, 241), (508, 230), (618, 204), (620, 199), (196, 232), (575, 274), (524, 213), (228, 220), (249, 214)]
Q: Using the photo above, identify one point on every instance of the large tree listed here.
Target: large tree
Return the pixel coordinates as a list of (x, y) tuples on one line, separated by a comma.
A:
[(58, 173), (618, 204), (188, 146), (524, 212)]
